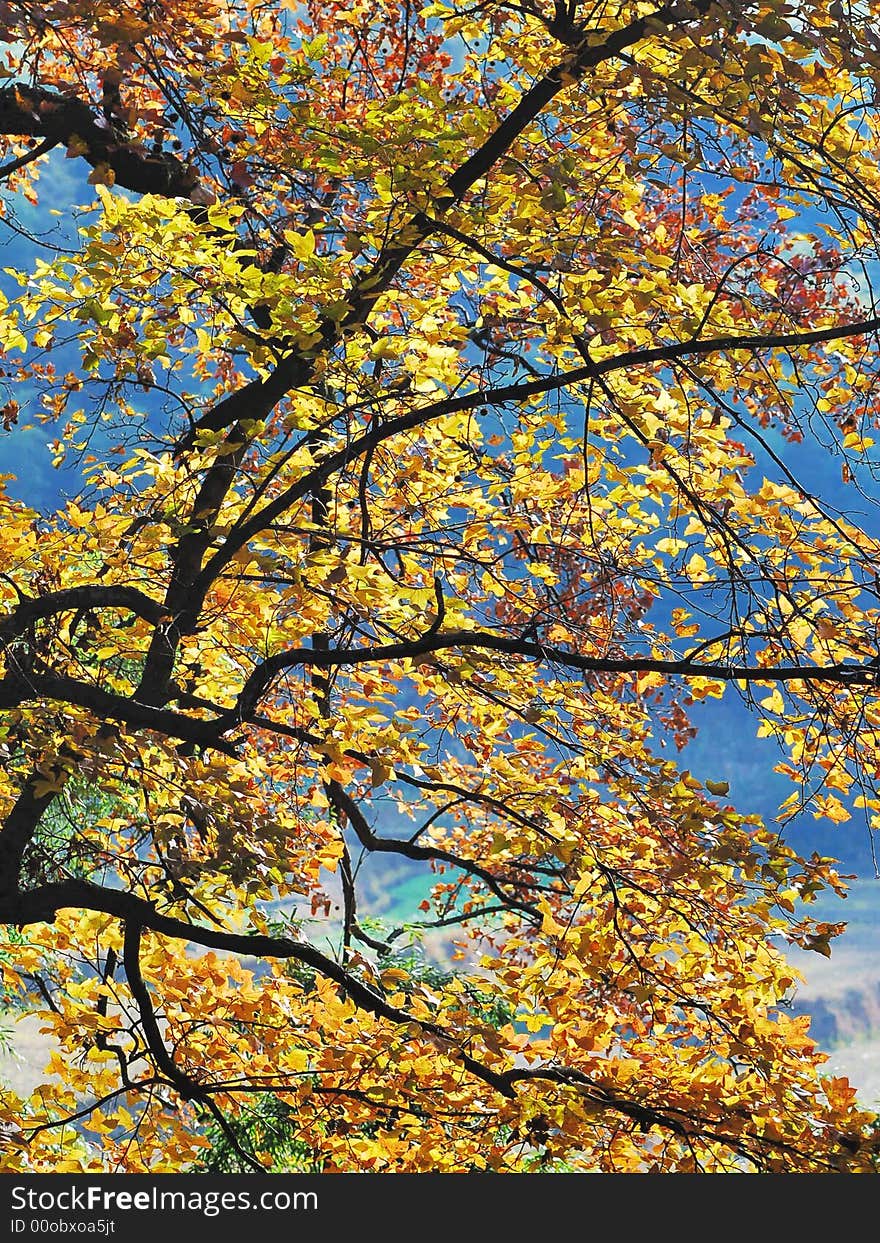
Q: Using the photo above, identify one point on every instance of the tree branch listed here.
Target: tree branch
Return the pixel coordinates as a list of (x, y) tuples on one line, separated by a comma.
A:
[(42, 148), (139, 914), (469, 640), (41, 906), (373, 282), (81, 599), (512, 393), (15, 691), (370, 841), (56, 118)]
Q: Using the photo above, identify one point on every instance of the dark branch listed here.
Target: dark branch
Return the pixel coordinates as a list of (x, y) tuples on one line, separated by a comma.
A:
[(510, 394), (373, 282), (55, 118), (42, 905), (370, 841), (81, 599), (469, 640), (15, 691)]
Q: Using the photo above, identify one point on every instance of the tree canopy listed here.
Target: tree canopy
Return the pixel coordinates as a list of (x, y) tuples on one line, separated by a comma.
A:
[(442, 382)]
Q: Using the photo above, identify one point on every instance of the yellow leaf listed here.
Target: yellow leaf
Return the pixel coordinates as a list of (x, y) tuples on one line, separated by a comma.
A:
[(302, 245)]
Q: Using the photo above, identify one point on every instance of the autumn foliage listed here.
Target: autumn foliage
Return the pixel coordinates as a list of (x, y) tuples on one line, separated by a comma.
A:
[(438, 377)]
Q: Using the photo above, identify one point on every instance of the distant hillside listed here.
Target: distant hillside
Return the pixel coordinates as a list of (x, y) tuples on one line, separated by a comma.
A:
[(842, 993)]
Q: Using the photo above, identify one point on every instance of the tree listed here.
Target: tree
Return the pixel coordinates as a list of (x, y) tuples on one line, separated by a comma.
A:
[(438, 377)]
